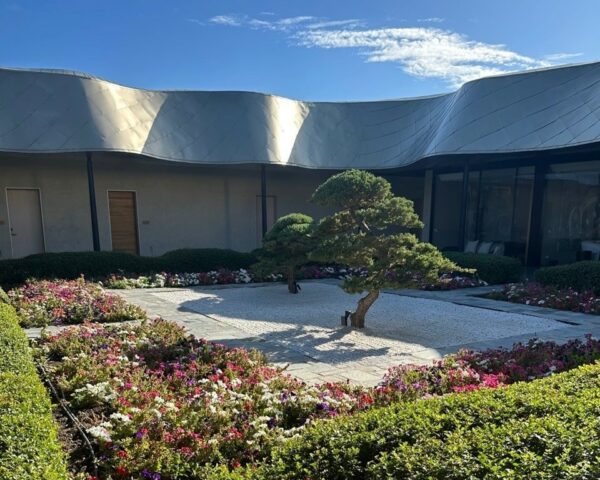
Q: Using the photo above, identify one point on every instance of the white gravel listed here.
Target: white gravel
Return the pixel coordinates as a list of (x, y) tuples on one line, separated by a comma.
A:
[(310, 321)]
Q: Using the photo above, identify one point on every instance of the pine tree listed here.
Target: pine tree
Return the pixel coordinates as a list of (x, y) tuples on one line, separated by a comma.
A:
[(286, 247), (371, 229)]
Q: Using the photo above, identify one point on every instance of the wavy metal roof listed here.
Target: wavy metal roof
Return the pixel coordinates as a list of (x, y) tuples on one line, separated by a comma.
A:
[(57, 111)]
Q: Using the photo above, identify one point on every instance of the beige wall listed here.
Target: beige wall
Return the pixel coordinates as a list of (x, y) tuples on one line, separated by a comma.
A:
[(178, 205), (64, 200)]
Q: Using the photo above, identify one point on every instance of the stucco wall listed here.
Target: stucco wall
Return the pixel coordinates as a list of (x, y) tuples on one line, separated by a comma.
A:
[(64, 200), (178, 205)]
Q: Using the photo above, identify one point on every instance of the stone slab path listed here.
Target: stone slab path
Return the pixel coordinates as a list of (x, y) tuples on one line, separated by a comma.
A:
[(303, 331)]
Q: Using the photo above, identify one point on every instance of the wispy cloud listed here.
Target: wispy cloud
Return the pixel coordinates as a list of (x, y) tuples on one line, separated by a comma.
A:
[(431, 20), (423, 52), (229, 20), (556, 57)]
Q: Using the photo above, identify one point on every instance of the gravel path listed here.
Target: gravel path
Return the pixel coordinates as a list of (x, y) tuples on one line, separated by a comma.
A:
[(309, 323)]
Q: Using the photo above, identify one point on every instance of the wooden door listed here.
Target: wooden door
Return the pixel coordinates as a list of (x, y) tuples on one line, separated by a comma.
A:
[(25, 221), (123, 221)]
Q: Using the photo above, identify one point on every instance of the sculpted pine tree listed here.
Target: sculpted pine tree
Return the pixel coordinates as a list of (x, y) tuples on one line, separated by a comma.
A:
[(370, 230), (286, 247)]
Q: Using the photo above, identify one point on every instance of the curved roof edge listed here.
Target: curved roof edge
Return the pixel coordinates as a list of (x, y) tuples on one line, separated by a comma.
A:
[(50, 111)]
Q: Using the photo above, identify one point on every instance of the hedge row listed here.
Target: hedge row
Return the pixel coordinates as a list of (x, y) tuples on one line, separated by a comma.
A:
[(547, 429), (580, 276), (493, 269), (71, 265), (29, 446)]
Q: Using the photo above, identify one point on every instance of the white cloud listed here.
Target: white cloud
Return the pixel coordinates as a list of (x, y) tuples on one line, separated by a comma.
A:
[(425, 52), (228, 20), (431, 20), (555, 57), (350, 23)]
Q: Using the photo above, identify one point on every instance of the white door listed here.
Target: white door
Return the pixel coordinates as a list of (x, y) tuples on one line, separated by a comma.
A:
[(25, 221)]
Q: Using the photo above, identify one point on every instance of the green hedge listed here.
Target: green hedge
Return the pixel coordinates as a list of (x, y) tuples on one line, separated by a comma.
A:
[(204, 259), (71, 265), (548, 429), (29, 446), (580, 276), (4, 296), (491, 268)]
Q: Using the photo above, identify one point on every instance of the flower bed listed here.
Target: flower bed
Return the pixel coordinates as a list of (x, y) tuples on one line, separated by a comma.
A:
[(194, 404), (242, 276), (536, 294), (41, 303)]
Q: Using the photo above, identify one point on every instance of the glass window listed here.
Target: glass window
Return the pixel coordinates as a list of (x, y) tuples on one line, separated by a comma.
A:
[(498, 209), (571, 214), (446, 210)]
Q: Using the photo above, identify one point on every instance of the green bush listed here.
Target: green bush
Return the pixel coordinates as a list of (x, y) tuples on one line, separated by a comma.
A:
[(71, 265), (29, 446), (4, 296), (490, 268), (204, 260), (579, 276), (548, 428)]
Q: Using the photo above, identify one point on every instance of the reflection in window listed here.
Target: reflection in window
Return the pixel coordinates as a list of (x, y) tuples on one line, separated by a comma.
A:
[(446, 210), (571, 215), (498, 210)]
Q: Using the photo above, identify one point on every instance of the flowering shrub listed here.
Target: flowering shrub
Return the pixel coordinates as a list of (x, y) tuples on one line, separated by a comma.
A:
[(195, 404), (453, 282), (532, 293), (41, 303), (242, 276)]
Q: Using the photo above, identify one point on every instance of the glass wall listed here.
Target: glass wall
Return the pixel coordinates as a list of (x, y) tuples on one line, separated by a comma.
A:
[(446, 210), (498, 210), (571, 214)]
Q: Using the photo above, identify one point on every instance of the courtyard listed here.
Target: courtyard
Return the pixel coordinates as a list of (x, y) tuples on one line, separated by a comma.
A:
[(303, 332)]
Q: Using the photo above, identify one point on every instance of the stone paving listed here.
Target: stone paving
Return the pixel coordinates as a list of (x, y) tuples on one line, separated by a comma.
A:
[(303, 332)]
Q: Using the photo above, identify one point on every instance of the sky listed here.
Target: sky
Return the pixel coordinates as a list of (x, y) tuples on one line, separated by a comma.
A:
[(310, 50)]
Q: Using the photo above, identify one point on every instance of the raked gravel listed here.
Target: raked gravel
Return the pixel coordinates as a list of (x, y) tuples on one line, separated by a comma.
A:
[(309, 322)]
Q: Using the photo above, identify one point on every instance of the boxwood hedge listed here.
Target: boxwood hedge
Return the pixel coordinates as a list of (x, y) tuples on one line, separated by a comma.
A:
[(70, 265), (546, 429), (29, 446), (490, 268), (580, 276)]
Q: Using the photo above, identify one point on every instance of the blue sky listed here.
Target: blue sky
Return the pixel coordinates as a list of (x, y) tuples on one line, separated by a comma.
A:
[(314, 50)]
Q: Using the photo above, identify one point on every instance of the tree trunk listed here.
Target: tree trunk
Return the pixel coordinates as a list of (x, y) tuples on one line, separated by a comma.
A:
[(291, 279), (357, 318)]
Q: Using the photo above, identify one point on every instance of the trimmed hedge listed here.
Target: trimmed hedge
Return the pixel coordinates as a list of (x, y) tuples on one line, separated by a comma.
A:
[(204, 259), (29, 446), (490, 268), (580, 276), (71, 265), (548, 428)]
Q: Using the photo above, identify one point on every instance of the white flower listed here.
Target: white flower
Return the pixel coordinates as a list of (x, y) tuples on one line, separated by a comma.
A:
[(100, 433), (119, 417)]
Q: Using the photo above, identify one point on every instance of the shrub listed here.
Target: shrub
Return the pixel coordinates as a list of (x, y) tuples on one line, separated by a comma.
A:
[(204, 260), (98, 265), (151, 388), (29, 446), (3, 296), (41, 303), (490, 268), (549, 428), (580, 276), (550, 296)]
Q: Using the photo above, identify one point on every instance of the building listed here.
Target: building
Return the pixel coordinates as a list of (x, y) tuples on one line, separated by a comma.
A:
[(508, 164)]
